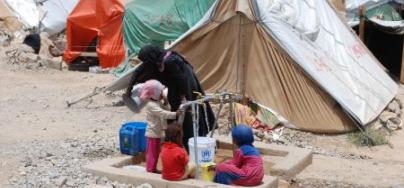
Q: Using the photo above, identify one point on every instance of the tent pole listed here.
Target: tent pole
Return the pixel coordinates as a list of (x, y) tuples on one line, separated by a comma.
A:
[(231, 111), (402, 64), (217, 117), (362, 12)]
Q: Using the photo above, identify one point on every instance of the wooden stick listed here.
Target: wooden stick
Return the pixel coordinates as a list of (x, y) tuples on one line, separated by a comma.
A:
[(402, 66), (362, 14)]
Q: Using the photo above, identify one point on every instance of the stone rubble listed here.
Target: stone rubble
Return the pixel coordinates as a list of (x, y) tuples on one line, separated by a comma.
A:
[(20, 54), (389, 119), (58, 164)]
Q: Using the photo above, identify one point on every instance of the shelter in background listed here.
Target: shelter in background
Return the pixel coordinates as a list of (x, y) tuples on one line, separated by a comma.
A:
[(293, 56), (8, 19), (27, 12), (383, 30), (98, 23), (55, 15), (135, 22), (46, 15), (158, 22)]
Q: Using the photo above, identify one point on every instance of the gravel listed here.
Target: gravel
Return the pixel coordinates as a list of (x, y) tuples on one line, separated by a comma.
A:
[(328, 184), (58, 164)]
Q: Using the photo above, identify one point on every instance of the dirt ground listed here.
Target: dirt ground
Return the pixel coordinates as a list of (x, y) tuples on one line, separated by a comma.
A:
[(33, 109)]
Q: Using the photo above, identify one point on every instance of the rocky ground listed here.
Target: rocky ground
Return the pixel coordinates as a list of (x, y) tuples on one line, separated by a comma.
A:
[(43, 143)]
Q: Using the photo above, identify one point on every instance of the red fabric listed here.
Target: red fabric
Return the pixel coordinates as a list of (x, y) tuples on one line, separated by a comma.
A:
[(174, 159), (244, 170), (102, 18), (152, 153)]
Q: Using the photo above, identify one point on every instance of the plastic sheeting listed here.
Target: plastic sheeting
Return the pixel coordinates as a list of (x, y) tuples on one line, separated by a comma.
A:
[(160, 20), (382, 9), (9, 20), (102, 19), (26, 10), (355, 4), (334, 58), (157, 22), (56, 15)]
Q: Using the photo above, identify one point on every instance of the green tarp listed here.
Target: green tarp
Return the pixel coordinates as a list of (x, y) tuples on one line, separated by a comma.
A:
[(386, 12), (158, 21)]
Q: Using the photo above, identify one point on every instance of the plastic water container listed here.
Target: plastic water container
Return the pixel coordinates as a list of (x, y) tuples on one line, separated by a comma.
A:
[(206, 149), (132, 139)]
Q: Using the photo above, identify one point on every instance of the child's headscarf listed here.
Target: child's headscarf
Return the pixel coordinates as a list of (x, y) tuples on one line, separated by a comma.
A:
[(151, 89), (242, 134)]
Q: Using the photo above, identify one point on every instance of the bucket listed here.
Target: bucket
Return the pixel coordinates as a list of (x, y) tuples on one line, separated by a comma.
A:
[(132, 139), (206, 149), (207, 173)]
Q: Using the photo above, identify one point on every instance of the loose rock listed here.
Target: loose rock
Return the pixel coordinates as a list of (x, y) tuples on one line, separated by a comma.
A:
[(386, 115)]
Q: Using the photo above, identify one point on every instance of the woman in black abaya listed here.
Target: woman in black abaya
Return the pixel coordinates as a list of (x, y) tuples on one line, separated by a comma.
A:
[(172, 70)]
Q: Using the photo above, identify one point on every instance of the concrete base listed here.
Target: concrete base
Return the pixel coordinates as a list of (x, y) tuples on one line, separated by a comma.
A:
[(111, 168), (280, 161)]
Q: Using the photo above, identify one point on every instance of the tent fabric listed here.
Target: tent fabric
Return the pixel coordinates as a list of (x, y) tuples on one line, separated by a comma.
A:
[(339, 4), (388, 27), (91, 19), (384, 12), (156, 22), (8, 19), (160, 20), (386, 18), (375, 8), (26, 10), (355, 4), (56, 15), (294, 56)]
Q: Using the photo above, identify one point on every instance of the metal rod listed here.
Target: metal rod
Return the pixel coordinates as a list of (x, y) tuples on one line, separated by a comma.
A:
[(217, 118), (206, 117), (231, 115), (195, 117), (212, 97), (194, 124), (95, 92)]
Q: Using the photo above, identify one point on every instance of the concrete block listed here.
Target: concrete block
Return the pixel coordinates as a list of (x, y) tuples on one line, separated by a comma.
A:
[(111, 169), (280, 161)]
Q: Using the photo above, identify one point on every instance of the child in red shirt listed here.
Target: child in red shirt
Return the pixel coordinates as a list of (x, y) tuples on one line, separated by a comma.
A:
[(174, 157)]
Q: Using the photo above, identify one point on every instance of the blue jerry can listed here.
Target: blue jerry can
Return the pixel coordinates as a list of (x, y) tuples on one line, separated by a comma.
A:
[(132, 139)]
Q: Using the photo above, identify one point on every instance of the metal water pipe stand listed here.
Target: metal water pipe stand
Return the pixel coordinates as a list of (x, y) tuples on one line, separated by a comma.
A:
[(223, 97)]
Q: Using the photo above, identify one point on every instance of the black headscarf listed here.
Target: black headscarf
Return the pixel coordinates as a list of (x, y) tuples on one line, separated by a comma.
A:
[(151, 54)]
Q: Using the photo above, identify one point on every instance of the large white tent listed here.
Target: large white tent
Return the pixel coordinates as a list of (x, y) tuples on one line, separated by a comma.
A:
[(307, 33), (49, 15), (56, 13), (296, 57), (26, 10)]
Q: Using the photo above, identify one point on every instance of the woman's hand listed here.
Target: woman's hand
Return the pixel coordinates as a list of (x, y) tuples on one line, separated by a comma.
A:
[(179, 112), (183, 99)]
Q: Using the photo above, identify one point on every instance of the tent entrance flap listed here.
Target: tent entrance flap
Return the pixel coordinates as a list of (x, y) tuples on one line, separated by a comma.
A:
[(101, 19)]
